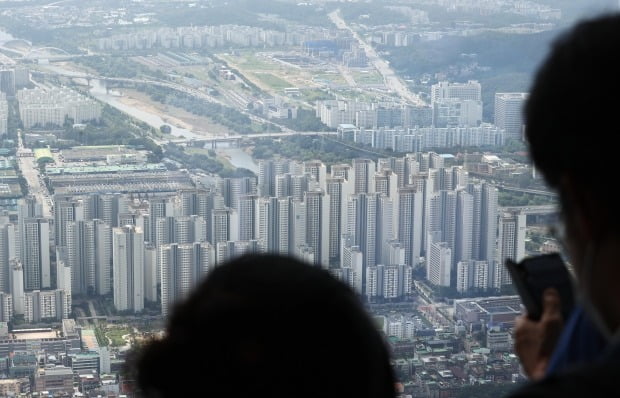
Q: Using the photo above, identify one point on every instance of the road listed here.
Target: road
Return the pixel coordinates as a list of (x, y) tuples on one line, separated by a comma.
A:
[(390, 78), (344, 71), (533, 210), (530, 191), (27, 165)]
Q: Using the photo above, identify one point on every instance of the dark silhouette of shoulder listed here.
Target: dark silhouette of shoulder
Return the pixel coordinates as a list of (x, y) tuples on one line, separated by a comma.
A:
[(601, 379)]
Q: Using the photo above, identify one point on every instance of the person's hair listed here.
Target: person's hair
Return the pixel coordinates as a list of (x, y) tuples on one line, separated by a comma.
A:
[(268, 326), (571, 115)]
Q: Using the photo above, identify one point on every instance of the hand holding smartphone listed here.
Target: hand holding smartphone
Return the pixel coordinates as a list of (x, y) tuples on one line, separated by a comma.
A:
[(533, 275)]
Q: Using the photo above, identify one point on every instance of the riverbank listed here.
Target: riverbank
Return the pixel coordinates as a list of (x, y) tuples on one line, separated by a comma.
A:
[(172, 115)]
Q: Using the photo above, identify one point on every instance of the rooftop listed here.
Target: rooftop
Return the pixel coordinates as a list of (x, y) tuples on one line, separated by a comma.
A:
[(130, 168), (34, 334), (89, 339), (43, 154)]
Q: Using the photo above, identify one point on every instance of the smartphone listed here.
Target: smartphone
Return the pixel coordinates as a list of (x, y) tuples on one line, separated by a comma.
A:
[(533, 275)]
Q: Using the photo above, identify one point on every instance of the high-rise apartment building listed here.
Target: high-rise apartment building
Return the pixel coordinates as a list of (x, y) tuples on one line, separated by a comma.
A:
[(8, 251), (410, 216), (472, 274), (180, 229), (267, 172), (464, 227), (339, 189), (224, 226), (362, 225), (512, 227), (273, 225), (46, 305), (128, 268), (452, 112), (233, 189), (182, 268), (439, 264), (364, 175), (509, 113), (318, 172), (16, 281), (89, 253), (462, 91), (159, 207), (36, 253), (67, 209), (317, 225), (247, 206), (227, 251)]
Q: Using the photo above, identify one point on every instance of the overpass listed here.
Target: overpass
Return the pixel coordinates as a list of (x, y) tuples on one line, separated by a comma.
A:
[(530, 191), (531, 210), (235, 140)]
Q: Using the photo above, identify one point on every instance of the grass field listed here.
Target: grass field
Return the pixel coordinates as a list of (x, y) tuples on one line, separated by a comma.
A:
[(372, 77), (116, 336), (249, 61), (333, 78), (315, 94), (272, 81)]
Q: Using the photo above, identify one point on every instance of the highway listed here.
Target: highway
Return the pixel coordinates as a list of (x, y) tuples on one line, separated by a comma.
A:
[(390, 78), (530, 191), (532, 210), (27, 165)]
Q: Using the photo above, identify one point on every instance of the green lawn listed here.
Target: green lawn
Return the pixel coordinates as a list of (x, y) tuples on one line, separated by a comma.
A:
[(116, 335), (248, 61), (200, 151), (333, 78), (312, 95), (272, 81), (367, 78)]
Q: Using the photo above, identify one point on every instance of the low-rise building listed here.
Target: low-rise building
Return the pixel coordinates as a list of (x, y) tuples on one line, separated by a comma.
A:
[(54, 379), (13, 387)]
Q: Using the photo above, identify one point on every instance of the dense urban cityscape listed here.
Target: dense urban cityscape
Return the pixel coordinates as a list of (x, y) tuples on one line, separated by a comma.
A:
[(145, 143)]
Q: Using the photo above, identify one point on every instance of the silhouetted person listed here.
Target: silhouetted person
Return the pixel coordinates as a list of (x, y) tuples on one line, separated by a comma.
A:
[(574, 136), (268, 326)]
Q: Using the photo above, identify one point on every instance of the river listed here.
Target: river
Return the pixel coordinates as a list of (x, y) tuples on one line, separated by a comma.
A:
[(236, 156), (98, 91), (239, 158)]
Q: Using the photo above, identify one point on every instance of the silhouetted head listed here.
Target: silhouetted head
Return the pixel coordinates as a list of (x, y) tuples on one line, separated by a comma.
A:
[(574, 136), (268, 326)]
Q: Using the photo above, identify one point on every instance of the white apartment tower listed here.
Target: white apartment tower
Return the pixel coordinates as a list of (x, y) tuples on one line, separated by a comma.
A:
[(273, 223), (267, 172), (509, 113), (318, 171), (182, 267), (439, 264), (8, 251), (462, 91), (89, 254), (128, 268), (16, 280), (472, 274), (224, 226), (67, 209)]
